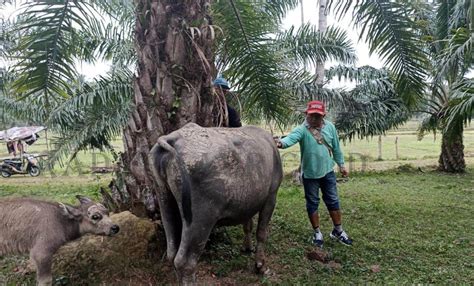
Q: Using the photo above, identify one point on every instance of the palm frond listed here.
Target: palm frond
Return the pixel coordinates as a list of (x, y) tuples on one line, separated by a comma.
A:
[(307, 45), (462, 105), (429, 123), (388, 29), (6, 38), (53, 36), (357, 74), (250, 61), (443, 12), (458, 53), (109, 40), (45, 61), (93, 117), (372, 107), (370, 82), (121, 11), (33, 110), (304, 91), (460, 15), (370, 117), (277, 9)]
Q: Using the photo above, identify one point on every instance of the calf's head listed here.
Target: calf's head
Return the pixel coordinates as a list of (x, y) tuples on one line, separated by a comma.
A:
[(92, 217)]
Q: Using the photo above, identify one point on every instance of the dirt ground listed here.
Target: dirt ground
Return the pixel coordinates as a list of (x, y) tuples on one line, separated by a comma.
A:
[(136, 256)]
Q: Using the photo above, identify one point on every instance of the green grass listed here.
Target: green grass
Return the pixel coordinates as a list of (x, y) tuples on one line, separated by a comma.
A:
[(415, 226), (410, 150), (63, 189)]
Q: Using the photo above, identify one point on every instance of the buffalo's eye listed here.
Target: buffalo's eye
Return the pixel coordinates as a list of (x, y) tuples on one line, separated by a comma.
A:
[(96, 217)]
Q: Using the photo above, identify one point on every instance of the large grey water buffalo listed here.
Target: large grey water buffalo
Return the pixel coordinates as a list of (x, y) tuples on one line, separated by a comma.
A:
[(40, 228), (209, 177)]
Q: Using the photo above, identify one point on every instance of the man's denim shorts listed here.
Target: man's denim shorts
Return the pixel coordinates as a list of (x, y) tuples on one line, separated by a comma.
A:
[(328, 187)]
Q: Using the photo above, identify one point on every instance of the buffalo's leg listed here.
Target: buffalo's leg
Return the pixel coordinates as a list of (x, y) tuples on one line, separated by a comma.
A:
[(171, 219), (43, 260), (262, 233), (247, 245), (193, 241)]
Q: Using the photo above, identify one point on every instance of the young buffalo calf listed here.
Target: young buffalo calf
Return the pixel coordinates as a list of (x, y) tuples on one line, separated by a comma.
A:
[(40, 228)]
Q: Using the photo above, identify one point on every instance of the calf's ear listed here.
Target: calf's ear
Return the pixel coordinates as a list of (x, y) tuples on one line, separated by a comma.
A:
[(70, 212), (83, 200)]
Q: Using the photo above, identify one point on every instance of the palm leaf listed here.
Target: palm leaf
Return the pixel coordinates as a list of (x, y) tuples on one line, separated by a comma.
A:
[(429, 123), (276, 9), (443, 12), (54, 36), (109, 40), (372, 107), (308, 46), (93, 117), (370, 117), (462, 105), (357, 74), (45, 62), (388, 29), (458, 53), (247, 55)]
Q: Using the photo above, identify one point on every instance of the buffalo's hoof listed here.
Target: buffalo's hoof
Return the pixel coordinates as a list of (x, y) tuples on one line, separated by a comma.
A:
[(260, 268), (247, 250)]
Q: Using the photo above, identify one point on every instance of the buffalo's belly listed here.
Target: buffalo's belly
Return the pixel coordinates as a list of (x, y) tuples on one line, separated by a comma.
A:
[(13, 245), (233, 221), (233, 199), (235, 213)]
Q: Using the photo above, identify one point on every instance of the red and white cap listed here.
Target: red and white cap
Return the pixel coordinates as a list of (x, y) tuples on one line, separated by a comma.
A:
[(316, 106)]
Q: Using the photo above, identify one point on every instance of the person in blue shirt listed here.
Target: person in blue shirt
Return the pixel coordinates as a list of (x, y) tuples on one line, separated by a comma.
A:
[(233, 115), (319, 146)]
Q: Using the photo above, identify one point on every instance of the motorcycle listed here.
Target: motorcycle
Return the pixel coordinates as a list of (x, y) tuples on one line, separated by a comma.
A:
[(28, 164)]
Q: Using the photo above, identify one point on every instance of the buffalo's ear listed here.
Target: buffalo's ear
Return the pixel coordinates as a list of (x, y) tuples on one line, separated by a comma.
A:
[(84, 200), (70, 212)]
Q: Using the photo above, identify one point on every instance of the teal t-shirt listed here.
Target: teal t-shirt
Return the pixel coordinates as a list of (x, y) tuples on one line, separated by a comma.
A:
[(316, 161)]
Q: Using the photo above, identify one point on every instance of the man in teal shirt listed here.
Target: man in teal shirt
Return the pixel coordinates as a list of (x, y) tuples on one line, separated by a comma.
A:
[(319, 145)]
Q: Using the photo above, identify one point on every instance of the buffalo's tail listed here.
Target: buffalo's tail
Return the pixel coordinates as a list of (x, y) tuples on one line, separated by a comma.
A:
[(162, 154)]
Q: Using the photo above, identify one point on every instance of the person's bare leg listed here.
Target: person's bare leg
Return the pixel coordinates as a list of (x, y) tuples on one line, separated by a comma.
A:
[(336, 217), (317, 236), (338, 233), (314, 219)]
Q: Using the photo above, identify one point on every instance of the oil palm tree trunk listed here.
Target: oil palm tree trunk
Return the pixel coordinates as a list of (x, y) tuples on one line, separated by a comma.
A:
[(451, 158), (172, 88)]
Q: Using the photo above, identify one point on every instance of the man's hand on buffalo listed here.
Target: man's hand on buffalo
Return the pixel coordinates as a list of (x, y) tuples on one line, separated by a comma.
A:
[(278, 142)]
